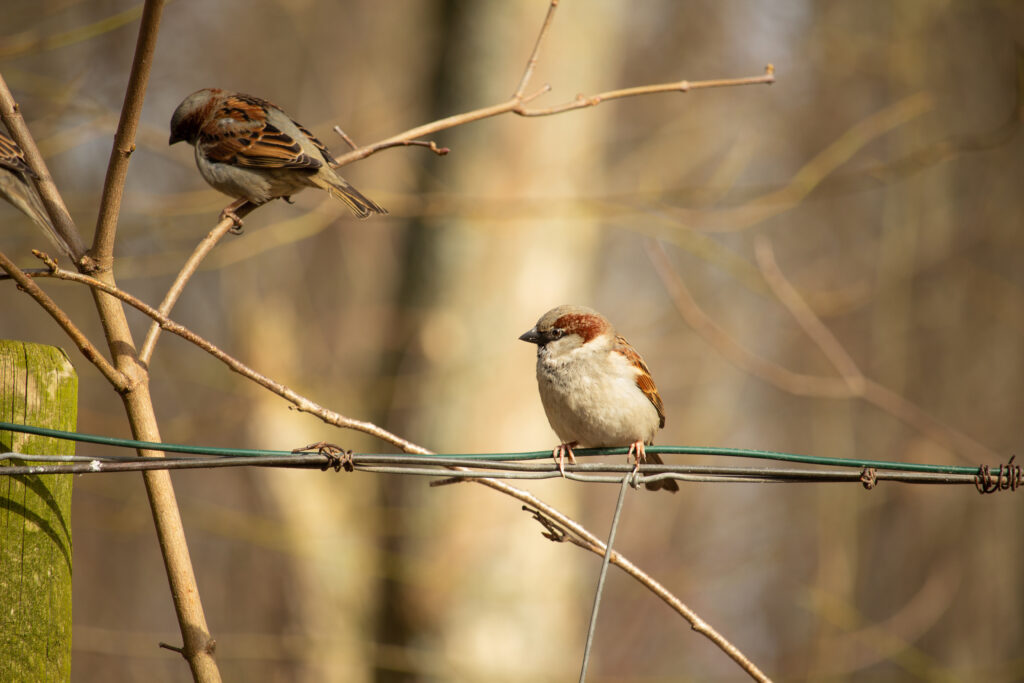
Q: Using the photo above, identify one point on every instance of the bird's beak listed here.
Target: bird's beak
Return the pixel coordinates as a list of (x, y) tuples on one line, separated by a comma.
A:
[(531, 335), (174, 139)]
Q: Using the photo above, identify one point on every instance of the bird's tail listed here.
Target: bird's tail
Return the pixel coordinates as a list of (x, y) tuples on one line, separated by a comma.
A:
[(353, 198), (18, 190), (662, 484)]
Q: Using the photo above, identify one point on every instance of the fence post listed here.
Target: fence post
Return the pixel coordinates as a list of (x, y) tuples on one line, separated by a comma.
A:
[(38, 386)]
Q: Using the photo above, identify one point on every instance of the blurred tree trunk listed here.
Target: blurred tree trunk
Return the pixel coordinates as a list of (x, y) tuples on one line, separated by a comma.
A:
[(469, 290), (38, 386)]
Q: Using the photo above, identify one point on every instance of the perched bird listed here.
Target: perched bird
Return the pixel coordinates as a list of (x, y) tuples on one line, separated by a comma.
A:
[(596, 389), (250, 149), (17, 188)]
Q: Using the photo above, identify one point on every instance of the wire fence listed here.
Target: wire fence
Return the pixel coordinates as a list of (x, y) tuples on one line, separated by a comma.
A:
[(521, 466)]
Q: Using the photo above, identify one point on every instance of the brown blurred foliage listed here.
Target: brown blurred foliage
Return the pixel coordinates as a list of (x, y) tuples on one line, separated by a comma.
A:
[(885, 166)]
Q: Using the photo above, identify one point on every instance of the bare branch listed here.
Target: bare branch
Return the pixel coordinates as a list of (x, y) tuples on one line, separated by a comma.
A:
[(516, 105), (583, 101), (531, 63), (204, 247), (429, 144), (344, 136), (811, 324), (519, 99), (795, 383), (124, 138)]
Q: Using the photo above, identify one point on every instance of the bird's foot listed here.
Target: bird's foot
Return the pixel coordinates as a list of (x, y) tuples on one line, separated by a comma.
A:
[(229, 213), (638, 452), (560, 452)]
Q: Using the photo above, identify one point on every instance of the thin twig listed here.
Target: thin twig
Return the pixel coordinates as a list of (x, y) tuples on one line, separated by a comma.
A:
[(861, 387), (795, 383), (518, 100), (811, 324), (516, 105), (429, 144), (344, 136), (531, 63), (92, 354), (201, 251), (124, 138), (583, 101)]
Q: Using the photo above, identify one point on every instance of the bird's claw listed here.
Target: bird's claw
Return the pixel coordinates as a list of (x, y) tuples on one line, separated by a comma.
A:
[(230, 214), (637, 451), (559, 453)]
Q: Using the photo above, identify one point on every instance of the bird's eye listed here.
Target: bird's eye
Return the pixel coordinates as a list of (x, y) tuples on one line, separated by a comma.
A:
[(557, 333)]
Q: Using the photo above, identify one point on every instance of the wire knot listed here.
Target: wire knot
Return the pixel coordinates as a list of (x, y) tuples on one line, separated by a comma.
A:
[(1009, 477), (337, 457), (869, 477)]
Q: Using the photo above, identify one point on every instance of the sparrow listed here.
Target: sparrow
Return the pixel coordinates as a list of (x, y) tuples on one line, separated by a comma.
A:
[(17, 188), (250, 149), (596, 389)]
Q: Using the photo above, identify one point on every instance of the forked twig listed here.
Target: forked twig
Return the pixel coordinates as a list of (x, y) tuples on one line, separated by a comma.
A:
[(517, 103)]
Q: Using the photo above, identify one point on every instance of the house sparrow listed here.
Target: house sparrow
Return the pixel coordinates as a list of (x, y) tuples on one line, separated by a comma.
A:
[(17, 188), (251, 150), (596, 389)]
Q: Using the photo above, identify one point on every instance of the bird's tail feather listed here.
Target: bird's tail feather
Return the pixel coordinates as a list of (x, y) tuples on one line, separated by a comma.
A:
[(662, 484), (19, 192), (360, 205)]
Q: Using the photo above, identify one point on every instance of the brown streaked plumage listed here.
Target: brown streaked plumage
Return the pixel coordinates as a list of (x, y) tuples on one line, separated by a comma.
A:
[(643, 380), (249, 149)]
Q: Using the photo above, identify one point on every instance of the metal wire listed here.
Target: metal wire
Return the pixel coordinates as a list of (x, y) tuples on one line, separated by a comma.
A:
[(605, 561), (491, 465)]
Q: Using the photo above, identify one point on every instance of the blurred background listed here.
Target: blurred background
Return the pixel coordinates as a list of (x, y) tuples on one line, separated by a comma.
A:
[(884, 168)]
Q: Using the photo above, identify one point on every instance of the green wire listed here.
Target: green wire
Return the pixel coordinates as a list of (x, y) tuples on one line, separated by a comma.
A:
[(532, 455), (129, 443)]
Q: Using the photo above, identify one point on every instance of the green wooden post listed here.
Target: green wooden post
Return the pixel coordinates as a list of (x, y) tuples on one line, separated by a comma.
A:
[(38, 386)]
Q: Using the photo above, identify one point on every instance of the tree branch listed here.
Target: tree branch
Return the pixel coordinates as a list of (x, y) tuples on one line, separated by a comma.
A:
[(201, 251), (531, 63), (124, 138)]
